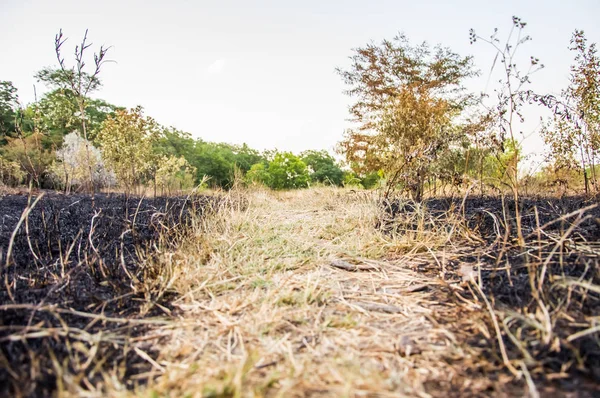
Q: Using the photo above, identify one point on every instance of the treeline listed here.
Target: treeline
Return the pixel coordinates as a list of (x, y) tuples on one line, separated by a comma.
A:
[(43, 144), (418, 130), (70, 141)]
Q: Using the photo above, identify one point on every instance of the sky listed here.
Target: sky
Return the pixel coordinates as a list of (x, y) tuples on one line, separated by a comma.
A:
[(263, 72)]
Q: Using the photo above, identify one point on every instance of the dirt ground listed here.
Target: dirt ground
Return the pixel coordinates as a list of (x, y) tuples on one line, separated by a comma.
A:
[(295, 295)]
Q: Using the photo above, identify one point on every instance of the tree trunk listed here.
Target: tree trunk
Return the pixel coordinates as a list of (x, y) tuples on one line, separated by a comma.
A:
[(584, 171), (417, 193)]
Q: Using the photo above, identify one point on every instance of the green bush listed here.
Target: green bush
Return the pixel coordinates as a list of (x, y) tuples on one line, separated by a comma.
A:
[(322, 167), (288, 171)]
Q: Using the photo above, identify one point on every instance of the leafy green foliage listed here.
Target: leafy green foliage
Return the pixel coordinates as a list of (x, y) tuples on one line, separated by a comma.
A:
[(61, 79), (139, 151), (245, 157), (214, 160), (126, 141), (258, 174), (351, 180), (173, 142), (8, 104), (322, 167), (174, 173), (410, 107), (285, 171), (59, 115), (370, 180), (288, 171)]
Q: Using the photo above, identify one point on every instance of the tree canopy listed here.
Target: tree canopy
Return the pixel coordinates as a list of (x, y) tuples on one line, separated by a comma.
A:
[(405, 100)]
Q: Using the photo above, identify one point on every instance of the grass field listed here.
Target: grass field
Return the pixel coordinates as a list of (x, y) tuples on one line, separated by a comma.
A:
[(316, 293)]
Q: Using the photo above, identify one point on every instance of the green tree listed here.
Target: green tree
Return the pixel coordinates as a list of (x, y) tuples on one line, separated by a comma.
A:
[(245, 157), (57, 114), (288, 171), (174, 173), (371, 179), (80, 83), (323, 167), (127, 146), (216, 161), (258, 174), (173, 142), (8, 103)]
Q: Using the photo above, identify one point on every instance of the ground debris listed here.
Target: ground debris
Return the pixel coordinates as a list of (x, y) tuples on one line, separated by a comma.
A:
[(347, 266), (378, 307)]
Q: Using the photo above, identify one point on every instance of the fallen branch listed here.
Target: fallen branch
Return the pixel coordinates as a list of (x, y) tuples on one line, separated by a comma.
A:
[(388, 309), (346, 266)]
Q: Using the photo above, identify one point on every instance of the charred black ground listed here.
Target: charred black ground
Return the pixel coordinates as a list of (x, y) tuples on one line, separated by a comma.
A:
[(486, 215), (74, 253), (561, 254)]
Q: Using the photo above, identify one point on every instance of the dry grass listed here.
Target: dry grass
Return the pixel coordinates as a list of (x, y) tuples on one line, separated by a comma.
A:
[(262, 311), (293, 294)]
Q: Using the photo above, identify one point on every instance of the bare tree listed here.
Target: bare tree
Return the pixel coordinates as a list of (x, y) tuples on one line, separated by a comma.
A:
[(82, 83), (511, 97)]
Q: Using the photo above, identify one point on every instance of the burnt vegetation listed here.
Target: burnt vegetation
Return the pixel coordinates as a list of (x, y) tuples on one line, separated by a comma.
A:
[(74, 267), (544, 293)]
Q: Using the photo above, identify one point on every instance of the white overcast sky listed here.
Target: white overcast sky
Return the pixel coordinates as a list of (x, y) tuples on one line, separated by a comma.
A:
[(263, 72)]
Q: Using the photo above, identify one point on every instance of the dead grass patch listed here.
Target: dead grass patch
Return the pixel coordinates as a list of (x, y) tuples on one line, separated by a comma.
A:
[(270, 313)]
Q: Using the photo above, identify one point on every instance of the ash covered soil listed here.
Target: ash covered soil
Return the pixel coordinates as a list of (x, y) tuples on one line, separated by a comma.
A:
[(75, 254), (489, 216), (560, 257)]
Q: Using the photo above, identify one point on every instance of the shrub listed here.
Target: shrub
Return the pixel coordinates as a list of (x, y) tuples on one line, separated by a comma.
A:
[(258, 174), (71, 166), (174, 173), (10, 172), (287, 171)]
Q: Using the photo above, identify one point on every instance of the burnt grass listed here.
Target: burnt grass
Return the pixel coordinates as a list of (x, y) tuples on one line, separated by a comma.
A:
[(490, 241), (79, 255)]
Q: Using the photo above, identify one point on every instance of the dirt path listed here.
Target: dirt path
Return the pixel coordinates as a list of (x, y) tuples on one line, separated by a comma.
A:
[(275, 311)]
